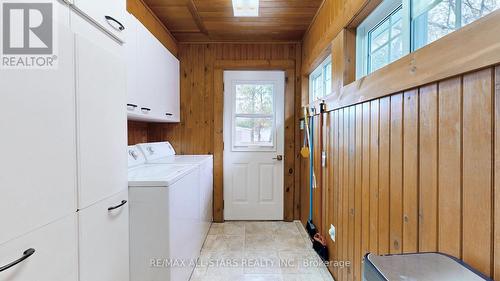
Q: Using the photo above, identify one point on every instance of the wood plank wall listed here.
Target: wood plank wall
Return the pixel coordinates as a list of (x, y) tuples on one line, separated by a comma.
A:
[(195, 133), (415, 171), (332, 17)]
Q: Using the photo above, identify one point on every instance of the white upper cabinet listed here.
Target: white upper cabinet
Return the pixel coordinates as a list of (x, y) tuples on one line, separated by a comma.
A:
[(109, 14), (153, 77), (38, 159)]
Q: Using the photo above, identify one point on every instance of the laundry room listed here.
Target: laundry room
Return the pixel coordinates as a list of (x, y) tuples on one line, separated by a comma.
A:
[(250, 140)]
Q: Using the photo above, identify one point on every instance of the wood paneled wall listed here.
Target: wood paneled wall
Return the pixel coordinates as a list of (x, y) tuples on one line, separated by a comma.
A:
[(200, 125), (137, 132), (332, 17), (416, 171)]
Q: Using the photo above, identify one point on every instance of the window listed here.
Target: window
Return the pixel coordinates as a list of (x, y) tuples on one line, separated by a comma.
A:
[(397, 27), (254, 115), (433, 19), (320, 81)]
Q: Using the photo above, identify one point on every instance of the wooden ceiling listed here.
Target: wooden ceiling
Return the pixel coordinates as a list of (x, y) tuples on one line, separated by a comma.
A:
[(213, 20)]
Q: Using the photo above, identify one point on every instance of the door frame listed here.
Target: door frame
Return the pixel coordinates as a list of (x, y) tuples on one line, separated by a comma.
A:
[(291, 124)]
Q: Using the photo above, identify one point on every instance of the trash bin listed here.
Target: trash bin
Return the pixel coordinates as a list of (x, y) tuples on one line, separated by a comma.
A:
[(421, 267)]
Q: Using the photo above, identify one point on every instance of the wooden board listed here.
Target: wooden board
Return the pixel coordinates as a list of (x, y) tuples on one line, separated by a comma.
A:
[(477, 170), (384, 176), (450, 167), (496, 236), (410, 171), (374, 175), (428, 126), (396, 175)]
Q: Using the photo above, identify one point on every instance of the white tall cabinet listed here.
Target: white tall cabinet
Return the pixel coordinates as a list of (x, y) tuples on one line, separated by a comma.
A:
[(63, 169)]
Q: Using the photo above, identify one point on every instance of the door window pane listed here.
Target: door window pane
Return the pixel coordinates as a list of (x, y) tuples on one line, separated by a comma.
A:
[(251, 131), (254, 99)]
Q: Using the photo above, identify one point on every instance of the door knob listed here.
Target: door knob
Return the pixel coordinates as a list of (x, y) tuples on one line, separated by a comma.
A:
[(278, 157)]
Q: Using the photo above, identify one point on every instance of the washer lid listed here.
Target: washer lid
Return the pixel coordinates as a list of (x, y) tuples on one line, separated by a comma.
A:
[(182, 159), (423, 267), (158, 175), (156, 150)]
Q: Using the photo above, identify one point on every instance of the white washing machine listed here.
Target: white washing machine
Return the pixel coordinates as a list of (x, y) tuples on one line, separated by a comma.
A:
[(164, 219), (164, 153)]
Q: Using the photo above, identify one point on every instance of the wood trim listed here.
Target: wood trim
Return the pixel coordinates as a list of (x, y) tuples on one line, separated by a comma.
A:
[(290, 126), (369, 7), (196, 17), (149, 19), (255, 64), (432, 63)]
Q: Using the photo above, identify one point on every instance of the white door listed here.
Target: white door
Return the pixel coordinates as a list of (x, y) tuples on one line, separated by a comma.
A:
[(253, 145)]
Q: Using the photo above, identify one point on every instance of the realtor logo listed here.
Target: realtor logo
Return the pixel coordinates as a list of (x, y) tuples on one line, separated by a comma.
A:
[(28, 35)]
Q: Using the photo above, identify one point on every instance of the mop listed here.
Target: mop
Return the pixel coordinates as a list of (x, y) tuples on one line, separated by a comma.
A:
[(310, 227), (319, 242)]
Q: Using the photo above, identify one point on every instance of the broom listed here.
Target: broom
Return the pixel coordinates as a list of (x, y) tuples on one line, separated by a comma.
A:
[(310, 227)]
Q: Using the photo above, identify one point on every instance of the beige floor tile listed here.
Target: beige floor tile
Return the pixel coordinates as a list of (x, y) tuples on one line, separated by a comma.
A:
[(260, 228), (222, 242), (259, 242), (262, 262), (293, 242), (287, 228)]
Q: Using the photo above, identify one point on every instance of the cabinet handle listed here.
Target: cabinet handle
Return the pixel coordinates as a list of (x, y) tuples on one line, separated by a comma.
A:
[(118, 206), (26, 255), (145, 109), (168, 114), (132, 105), (121, 27)]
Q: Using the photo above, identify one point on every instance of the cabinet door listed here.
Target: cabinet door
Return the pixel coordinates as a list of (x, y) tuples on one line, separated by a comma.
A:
[(101, 118), (110, 14), (133, 95), (147, 73), (54, 258), (37, 123), (172, 91), (104, 240)]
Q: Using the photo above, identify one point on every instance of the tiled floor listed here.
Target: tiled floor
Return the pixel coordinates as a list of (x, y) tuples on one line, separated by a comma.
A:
[(259, 251)]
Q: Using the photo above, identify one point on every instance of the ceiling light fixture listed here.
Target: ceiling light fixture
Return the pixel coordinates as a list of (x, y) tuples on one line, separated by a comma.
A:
[(246, 8)]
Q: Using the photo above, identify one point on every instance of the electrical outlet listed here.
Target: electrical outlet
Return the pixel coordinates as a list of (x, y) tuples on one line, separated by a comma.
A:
[(332, 232)]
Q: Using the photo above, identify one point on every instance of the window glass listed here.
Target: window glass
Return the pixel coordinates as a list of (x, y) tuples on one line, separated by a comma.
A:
[(384, 41), (253, 131), (475, 9), (254, 115), (441, 17), (328, 78), (320, 81), (254, 99), (434, 22)]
